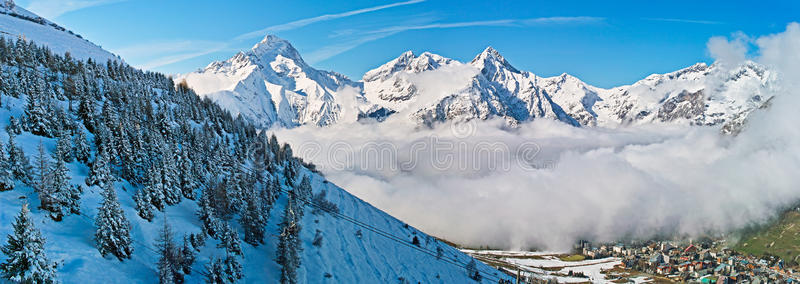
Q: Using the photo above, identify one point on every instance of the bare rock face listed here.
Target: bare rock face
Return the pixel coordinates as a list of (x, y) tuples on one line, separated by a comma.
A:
[(685, 105)]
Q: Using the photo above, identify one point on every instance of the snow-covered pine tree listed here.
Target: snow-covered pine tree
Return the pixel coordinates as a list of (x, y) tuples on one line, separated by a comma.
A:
[(197, 240), (26, 261), (207, 214), (303, 190), (144, 208), (64, 148), (235, 183), (223, 271), (229, 240), (154, 188), (6, 176), (289, 248), (113, 234), (86, 111), (19, 163), (169, 178), (73, 199), (100, 173), (472, 271), (187, 255), (317, 239), (13, 127), (169, 264), (186, 175), (61, 191), (322, 205), (290, 171), (80, 145), (36, 118), (44, 187), (253, 219)]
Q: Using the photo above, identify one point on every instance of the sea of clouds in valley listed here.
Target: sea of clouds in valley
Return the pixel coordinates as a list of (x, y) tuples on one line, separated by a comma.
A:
[(546, 184)]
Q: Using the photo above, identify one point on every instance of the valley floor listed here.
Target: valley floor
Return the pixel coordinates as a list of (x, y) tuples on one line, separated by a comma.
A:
[(562, 267)]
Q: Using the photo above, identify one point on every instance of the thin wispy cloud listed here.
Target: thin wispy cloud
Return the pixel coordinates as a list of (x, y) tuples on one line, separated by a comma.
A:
[(330, 51), (444, 26), (327, 17), (158, 54), (561, 20), (687, 21), (490, 23), (52, 9), (336, 49)]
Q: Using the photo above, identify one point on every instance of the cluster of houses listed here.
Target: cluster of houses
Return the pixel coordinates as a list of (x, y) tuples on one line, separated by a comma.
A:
[(706, 262)]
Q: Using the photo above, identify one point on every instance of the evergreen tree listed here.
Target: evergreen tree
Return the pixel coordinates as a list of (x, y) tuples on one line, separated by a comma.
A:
[(6, 176), (206, 213), (26, 261), (37, 117), (72, 203), (82, 152), (186, 175), (317, 239), (154, 188), (169, 184), (113, 234), (144, 208), (322, 205), (253, 220), (18, 162), (187, 255), (45, 187), (169, 263), (288, 252), (223, 271), (229, 240), (86, 111), (472, 271), (304, 190), (100, 173), (64, 149), (13, 127), (61, 191)]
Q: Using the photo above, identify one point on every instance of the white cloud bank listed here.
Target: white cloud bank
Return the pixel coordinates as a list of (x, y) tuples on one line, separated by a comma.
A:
[(603, 184)]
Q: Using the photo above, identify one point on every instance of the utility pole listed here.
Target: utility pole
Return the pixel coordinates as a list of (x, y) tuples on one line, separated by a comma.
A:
[(518, 273)]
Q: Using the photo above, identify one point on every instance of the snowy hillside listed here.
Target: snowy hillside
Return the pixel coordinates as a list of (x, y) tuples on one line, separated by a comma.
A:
[(430, 88), (16, 22), (73, 133)]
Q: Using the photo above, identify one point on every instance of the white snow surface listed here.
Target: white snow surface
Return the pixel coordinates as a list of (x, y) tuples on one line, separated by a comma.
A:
[(45, 32)]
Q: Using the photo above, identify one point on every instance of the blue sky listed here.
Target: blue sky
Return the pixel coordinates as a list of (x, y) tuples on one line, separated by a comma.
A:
[(605, 43)]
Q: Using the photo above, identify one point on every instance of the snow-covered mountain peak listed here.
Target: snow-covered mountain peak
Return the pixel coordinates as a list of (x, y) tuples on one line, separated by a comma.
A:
[(409, 62), (272, 46), (491, 60)]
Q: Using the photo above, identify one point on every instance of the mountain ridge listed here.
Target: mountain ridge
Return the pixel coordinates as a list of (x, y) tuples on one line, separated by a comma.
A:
[(489, 86)]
